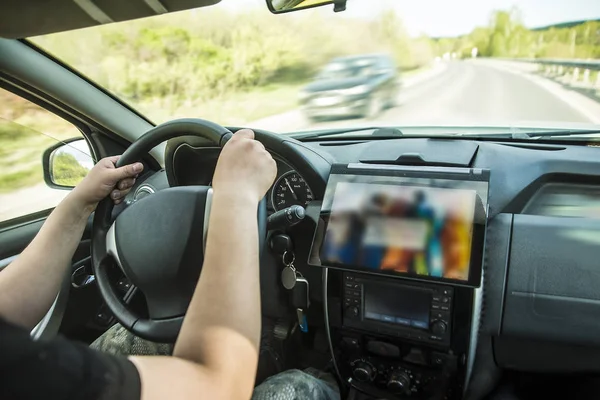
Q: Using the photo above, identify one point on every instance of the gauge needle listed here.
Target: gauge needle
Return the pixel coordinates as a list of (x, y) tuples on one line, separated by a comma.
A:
[(291, 190)]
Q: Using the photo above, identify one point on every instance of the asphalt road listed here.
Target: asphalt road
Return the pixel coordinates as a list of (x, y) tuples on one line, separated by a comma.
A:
[(461, 93)]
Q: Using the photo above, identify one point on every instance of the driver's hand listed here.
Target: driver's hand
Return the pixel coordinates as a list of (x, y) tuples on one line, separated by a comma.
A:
[(104, 180), (244, 168)]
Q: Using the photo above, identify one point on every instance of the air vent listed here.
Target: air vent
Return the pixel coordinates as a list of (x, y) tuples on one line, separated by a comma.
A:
[(335, 144)]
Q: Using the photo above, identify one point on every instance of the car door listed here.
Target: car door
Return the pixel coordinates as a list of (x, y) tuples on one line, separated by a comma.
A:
[(384, 78), (391, 80), (27, 129)]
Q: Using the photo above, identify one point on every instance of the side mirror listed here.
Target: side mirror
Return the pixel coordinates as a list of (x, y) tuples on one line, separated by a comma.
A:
[(67, 163), (284, 6)]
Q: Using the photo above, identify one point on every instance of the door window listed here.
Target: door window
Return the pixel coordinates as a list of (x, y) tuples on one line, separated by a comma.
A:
[(26, 130)]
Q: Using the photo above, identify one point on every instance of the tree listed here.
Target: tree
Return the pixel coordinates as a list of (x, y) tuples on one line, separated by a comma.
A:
[(391, 32)]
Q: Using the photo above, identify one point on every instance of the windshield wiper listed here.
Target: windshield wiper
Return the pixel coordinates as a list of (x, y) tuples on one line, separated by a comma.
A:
[(562, 132), (377, 132)]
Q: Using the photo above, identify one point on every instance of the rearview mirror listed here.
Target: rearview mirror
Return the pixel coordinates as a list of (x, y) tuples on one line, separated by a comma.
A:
[(283, 6), (67, 163)]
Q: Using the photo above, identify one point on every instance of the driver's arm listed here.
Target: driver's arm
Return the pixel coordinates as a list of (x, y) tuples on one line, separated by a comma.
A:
[(216, 353), (29, 285)]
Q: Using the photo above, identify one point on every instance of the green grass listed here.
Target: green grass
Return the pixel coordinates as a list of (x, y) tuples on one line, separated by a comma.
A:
[(22, 178), (233, 109)]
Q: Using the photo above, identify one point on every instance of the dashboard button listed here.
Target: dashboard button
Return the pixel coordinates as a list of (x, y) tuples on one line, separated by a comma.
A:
[(438, 327), (353, 311), (403, 321), (444, 308), (349, 278), (350, 342), (437, 359), (443, 315), (435, 306), (437, 298)]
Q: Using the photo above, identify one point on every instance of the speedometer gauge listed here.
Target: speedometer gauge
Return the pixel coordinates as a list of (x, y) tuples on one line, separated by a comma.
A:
[(290, 189)]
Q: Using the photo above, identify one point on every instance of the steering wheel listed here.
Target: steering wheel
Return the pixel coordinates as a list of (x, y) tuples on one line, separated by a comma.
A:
[(158, 242)]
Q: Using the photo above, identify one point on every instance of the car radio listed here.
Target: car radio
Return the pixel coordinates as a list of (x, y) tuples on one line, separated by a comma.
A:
[(415, 311)]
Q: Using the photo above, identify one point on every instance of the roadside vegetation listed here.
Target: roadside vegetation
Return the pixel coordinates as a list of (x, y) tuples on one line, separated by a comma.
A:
[(66, 170), (506, 36)]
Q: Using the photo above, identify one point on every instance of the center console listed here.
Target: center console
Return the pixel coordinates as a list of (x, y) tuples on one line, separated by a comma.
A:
[(396, 337), (403, 247)]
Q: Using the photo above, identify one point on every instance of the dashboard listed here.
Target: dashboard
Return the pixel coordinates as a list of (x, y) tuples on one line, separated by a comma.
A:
[(536, 305)]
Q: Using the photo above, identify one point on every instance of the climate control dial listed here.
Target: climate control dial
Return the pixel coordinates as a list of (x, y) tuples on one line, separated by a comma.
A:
[(362, 371), (399, 382)]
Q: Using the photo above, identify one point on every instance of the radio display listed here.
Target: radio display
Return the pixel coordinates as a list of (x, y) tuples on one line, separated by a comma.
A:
[(386, 303), (427, 226)]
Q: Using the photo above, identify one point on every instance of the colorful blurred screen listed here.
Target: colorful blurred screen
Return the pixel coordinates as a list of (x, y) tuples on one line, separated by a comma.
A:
[(415, 230)]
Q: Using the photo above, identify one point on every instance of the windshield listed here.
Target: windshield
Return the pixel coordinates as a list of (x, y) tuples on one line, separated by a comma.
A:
[(381, 63), (347, 69)]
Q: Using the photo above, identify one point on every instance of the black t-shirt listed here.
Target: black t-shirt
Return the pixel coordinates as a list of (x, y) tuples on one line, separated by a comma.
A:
[(60, 369)]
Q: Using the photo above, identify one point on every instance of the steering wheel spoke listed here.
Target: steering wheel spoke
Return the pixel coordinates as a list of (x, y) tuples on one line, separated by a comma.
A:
[(111, 246)]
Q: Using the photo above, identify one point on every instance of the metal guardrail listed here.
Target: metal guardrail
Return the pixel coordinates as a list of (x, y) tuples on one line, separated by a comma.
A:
[(583, 74), (593, 65)]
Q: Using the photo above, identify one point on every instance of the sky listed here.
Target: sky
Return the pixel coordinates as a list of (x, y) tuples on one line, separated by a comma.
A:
[(448, 18)]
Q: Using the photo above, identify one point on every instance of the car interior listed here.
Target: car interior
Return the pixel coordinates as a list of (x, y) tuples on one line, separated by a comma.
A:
[(520, 321)]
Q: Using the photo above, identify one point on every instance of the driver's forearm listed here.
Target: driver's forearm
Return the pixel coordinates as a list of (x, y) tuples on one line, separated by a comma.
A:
[(221, 330), (29, 285)]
